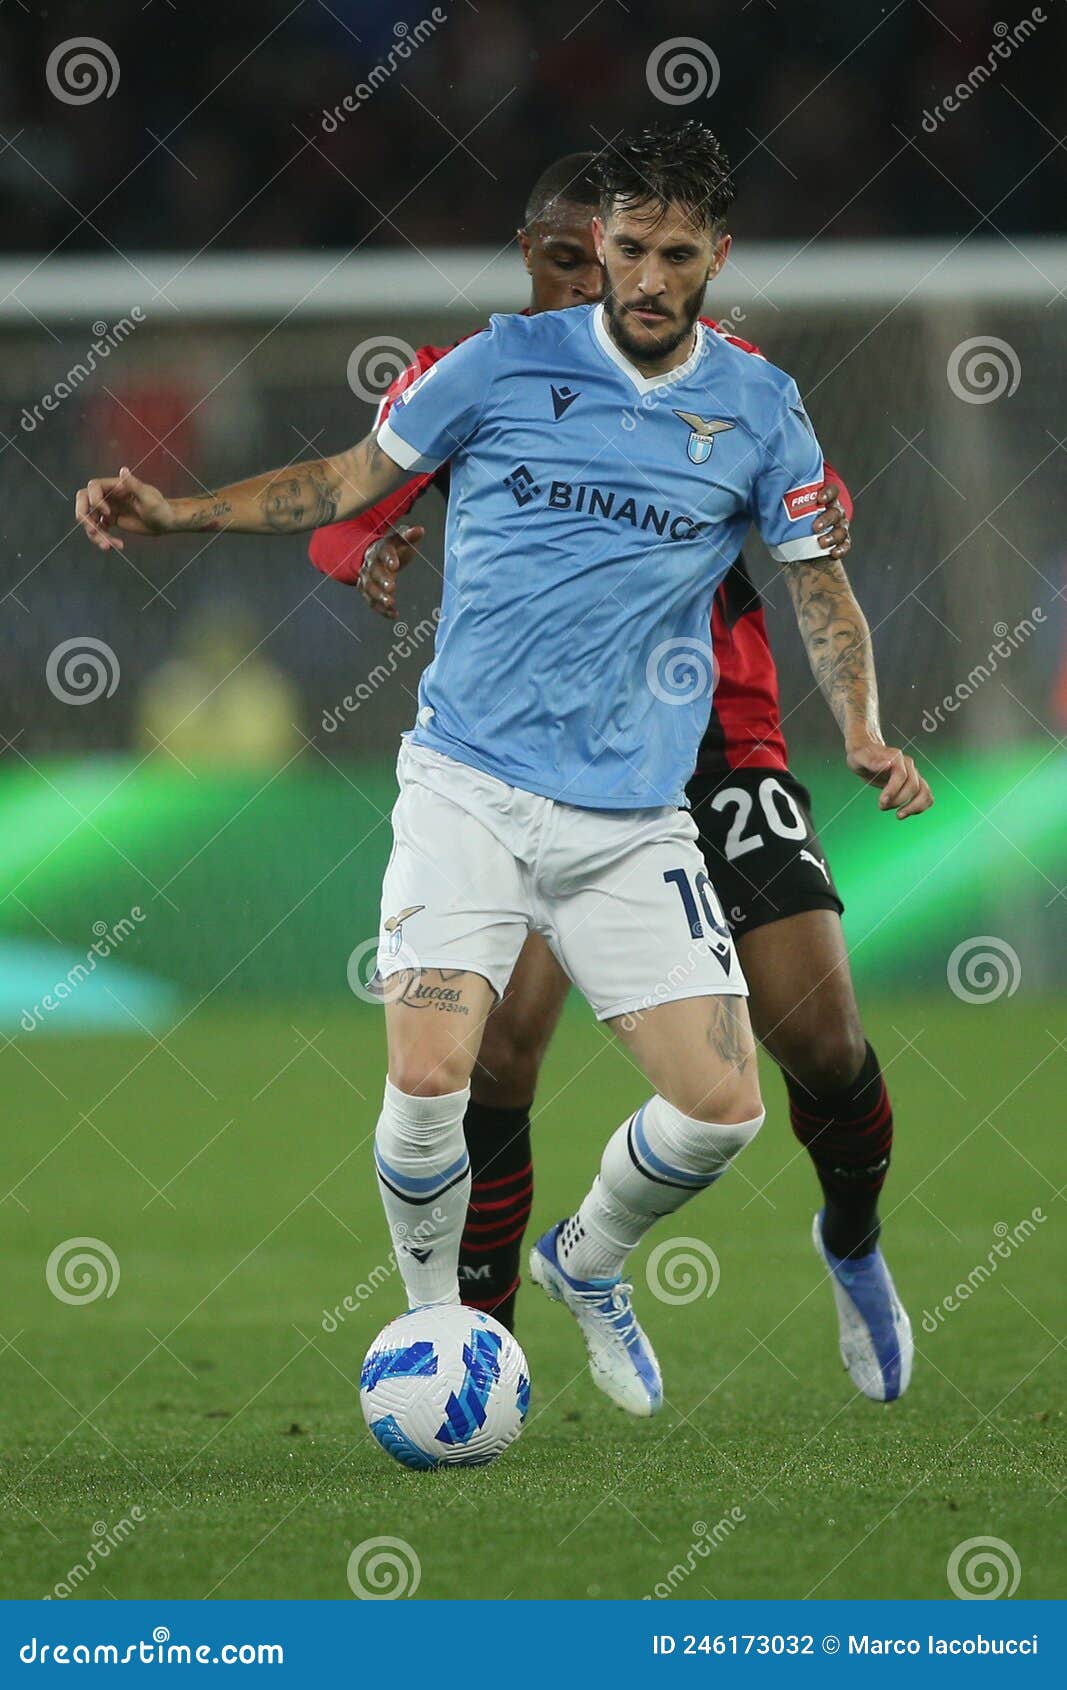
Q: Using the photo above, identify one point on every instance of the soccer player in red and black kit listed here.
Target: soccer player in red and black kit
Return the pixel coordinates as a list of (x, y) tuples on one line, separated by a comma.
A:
[(763, 857)]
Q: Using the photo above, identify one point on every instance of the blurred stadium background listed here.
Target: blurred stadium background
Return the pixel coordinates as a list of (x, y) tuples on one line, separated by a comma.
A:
[(198, 741), (251, 270)]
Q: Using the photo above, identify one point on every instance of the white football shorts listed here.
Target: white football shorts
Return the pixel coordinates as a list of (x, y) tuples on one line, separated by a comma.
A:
[(621, 896)]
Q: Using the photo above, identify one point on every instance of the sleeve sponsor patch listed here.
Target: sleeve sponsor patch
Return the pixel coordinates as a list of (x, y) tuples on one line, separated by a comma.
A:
[(416, 386), (801, 501)]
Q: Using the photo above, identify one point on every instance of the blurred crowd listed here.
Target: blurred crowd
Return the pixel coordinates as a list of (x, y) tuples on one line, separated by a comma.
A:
[(303, 124), (213, 129)]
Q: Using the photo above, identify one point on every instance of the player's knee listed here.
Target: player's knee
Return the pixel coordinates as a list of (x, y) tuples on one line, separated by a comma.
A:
[(422, 1074), (822, 1056), (504, 1086), (731, 1100), (740, 1106), (734, 1136), (509, 1061)]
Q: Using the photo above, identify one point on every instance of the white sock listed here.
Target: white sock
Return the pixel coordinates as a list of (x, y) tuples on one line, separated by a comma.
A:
[(655, 1162), (424, 1176)]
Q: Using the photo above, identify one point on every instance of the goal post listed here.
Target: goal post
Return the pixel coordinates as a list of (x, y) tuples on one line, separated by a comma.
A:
[(930, 371)]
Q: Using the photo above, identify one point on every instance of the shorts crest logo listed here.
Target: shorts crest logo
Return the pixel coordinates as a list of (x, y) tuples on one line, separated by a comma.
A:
[(702, 438), (393, 925)]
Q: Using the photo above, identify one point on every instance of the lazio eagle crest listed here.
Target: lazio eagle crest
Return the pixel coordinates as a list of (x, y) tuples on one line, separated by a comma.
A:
[(393, 925), (702, 438)]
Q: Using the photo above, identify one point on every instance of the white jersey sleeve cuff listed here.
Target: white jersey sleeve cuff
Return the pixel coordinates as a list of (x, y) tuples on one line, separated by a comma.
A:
[(797, 551), (407, 457)]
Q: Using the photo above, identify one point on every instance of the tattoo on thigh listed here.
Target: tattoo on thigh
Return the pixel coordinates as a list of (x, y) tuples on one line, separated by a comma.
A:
[(728, 1035), (433, 988)]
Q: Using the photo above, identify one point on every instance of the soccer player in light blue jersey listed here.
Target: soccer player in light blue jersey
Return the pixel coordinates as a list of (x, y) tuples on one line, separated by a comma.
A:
[(605, 464)]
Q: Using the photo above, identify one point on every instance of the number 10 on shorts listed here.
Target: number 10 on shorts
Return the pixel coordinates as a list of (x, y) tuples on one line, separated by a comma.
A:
[(709, 907)]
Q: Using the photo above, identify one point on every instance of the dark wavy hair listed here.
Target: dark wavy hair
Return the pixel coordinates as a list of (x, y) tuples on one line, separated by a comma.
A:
[(686, 167)]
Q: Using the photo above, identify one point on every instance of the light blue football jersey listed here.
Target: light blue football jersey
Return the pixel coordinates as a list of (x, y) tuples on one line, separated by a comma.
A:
[(591, 516)]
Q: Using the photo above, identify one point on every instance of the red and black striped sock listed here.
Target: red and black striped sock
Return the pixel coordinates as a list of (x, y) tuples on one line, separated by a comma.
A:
[(849, 1135), (498, 1142)]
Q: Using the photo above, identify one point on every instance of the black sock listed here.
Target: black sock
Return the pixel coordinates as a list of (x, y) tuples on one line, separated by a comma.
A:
[(498, 1142), (849, 1135)]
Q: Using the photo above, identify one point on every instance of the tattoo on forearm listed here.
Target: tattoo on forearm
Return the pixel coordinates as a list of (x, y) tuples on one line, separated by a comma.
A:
[(213, 518), (365, 462), (836, 638), (304, 497)]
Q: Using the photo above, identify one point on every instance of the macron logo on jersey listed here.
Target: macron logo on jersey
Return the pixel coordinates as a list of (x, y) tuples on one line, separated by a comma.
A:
[(801, 501), (562, 400)]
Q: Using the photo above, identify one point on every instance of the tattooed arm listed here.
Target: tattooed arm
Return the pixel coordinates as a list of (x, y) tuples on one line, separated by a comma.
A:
[(838, 643), (283, 501)]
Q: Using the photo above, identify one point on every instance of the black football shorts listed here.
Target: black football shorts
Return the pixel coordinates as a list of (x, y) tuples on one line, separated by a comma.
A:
[(759, 843)]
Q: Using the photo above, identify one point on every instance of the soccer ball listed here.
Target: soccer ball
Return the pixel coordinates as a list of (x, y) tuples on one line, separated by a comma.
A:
[(445, 1386)]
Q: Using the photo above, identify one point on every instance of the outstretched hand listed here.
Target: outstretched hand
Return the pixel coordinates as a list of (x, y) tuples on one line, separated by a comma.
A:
[(121, 501)]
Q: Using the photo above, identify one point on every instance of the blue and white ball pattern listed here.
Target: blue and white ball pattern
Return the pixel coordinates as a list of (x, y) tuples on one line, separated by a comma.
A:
[(445, 1386)]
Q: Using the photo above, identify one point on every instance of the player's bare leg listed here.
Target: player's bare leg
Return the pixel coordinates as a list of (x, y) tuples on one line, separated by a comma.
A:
[(699, 1053), (804, 1010), (700, 1056), (801, 998), (434, 1022), (497, 1129)]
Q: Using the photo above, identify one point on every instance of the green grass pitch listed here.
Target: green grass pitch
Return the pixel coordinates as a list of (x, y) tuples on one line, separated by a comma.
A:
[(229, 1171)]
